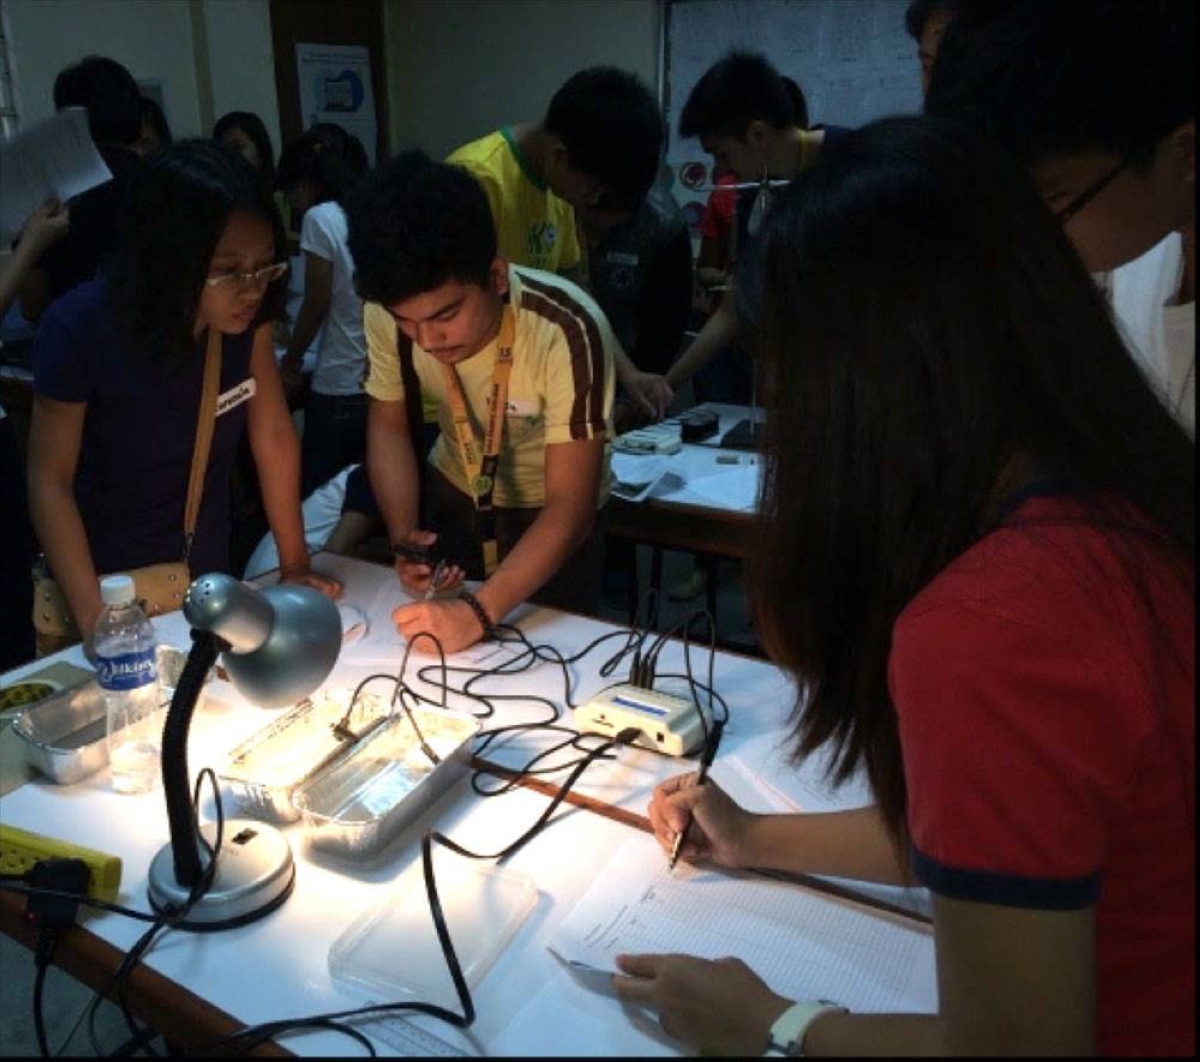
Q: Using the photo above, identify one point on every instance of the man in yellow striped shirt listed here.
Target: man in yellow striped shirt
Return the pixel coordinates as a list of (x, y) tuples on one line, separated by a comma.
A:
[(510, 354)]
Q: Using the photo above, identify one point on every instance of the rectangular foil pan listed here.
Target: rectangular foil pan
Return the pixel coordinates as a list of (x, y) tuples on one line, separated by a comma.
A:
[(356, 805), (265, 769), (64, 736)]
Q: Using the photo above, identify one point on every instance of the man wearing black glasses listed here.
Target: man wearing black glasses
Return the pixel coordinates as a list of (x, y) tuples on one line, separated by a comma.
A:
[(1096, 99)]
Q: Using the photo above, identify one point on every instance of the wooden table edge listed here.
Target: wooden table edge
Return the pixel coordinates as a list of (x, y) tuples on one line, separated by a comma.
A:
[(182, 1017)]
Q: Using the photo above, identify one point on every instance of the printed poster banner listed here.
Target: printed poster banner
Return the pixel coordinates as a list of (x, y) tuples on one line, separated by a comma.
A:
[(335, 86)]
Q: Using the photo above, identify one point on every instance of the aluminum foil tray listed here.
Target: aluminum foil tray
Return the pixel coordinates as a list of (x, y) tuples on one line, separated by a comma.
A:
[(265, 769), (356, 805), (64, 735)]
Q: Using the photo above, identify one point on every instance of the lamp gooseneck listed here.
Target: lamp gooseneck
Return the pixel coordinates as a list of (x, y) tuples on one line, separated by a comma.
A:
[(181, 815)]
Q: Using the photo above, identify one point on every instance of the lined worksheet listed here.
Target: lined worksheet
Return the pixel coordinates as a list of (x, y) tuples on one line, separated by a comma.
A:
[(804, 944)]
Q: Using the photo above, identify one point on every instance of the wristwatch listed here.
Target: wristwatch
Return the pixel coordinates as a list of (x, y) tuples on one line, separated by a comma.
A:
[(787, 1034)]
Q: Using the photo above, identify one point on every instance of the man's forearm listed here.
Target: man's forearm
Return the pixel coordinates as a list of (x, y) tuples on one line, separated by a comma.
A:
[(541, 551), (392, 471), (308, 323), (717, 334), (623, 364)]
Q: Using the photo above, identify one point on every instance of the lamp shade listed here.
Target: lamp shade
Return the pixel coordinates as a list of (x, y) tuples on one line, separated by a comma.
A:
[(283, 641)]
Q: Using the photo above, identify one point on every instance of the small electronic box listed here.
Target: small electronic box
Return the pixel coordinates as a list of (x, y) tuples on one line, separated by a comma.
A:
[(668, 723)]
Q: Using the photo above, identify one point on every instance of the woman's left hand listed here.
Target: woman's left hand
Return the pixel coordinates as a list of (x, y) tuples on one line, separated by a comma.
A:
[(303, 575), (720, 1007)]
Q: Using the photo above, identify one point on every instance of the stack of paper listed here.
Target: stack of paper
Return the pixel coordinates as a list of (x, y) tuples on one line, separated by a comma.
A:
[(54, 158), (804, 944), (637, 477)]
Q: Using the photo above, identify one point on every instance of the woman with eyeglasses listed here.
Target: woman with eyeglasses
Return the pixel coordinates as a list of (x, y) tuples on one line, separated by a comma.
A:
[(118, 376), (978, 562)]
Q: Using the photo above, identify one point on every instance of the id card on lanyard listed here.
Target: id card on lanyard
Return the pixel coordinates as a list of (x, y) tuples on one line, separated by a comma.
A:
[(481, 468)]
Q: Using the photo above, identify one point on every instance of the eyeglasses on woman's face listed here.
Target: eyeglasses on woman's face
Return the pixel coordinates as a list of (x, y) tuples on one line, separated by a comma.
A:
[(259, 277)]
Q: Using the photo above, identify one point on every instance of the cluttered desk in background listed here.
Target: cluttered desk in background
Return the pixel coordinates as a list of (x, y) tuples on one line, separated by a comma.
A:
[(700, 498), (345, 936)]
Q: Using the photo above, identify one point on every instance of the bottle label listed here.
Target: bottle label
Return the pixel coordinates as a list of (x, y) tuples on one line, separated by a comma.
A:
[(129, 671)]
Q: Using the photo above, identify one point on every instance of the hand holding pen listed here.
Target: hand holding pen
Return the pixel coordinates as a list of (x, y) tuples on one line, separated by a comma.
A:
[(436, 579), (710, 753), (420, 567)]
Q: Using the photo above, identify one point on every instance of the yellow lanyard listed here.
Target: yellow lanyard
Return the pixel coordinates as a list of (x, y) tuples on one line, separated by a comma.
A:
[(481, 470)]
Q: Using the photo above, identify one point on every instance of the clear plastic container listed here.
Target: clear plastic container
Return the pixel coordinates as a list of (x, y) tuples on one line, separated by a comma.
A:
[(391, 951), (362, 799), (266, 768)]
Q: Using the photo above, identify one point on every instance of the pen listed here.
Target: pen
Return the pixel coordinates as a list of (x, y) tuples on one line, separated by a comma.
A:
[(710, 753), (439, 570)]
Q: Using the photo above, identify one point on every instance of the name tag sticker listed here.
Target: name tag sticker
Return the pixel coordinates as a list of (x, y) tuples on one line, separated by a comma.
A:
[(236, 395)]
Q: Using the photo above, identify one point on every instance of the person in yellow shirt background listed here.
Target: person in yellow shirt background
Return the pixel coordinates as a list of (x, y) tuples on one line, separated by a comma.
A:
[(599, 144)]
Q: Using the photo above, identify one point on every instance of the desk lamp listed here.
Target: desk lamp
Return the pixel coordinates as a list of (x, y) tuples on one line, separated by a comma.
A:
[(277, 645)]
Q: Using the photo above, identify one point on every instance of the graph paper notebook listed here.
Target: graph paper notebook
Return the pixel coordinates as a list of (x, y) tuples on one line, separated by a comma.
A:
[(804, 944)]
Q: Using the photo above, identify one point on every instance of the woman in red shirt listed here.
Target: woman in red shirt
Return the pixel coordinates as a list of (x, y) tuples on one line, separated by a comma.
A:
[(979, 563)]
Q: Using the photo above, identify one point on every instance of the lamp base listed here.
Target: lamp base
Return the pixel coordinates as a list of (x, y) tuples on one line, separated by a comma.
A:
[(255, 874)]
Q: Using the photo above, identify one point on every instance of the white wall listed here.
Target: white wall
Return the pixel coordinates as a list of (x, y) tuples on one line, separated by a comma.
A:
[(241, 61), (153, 38), (458, 69), (213, 56)]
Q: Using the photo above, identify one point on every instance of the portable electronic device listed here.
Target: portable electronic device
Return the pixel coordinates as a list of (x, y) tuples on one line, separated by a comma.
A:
[(697, 424), (668, 723), (658, 439), (416, 554)]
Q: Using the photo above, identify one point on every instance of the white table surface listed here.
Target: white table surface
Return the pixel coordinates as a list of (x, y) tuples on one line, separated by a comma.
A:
[(277, 966)]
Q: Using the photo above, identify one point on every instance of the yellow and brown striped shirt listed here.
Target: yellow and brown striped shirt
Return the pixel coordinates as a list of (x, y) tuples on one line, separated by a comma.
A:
[(561, 388)]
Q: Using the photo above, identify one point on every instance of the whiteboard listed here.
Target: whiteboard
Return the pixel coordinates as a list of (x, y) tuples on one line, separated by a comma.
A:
[(853, 59)]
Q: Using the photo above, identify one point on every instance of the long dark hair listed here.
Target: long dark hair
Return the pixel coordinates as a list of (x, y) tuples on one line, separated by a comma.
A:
[(252, 125), (927, 327), (328, 156), (172, 220)]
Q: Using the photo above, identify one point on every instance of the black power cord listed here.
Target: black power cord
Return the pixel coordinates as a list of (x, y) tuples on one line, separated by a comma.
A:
[(57, 887)]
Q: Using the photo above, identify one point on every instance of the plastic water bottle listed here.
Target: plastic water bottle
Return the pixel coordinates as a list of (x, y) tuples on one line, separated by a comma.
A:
[(127, 670)]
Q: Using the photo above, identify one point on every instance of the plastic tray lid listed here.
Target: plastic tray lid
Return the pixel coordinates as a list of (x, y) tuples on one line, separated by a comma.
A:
[(392, 951)]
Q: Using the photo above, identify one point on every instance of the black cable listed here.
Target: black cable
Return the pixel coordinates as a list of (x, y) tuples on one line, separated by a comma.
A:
[(642, 673), (253, 1035), (51, 910), (624, 738), (86, 901), (45, 949), (529, 768), (118, 983)]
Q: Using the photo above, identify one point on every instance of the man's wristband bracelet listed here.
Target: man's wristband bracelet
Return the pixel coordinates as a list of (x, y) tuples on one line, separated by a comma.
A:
[(489, 632)]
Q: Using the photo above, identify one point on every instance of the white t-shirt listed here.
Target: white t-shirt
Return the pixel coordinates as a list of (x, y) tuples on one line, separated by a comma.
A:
[(342, 354), (321, 511), (1161, 336)]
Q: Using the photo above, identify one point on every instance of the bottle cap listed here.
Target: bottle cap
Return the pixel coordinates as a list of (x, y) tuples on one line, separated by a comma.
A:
[(117, 590)]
